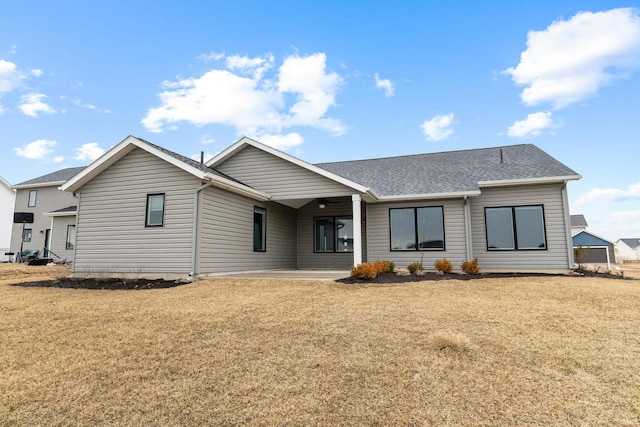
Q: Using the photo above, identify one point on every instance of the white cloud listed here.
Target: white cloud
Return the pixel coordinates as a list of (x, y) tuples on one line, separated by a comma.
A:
[(10, 76), (79, 103), (89, 151), (607, 195), (212, 56), (58, 159), (385, 84), (207, 139), (438, 128), (570, 60), (281, 142), (36, 150), (32, 104), (36, 72), (533, 125), (242, 97)]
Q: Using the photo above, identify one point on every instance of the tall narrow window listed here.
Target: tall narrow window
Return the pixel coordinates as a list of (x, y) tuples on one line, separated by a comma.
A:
[(259, 229), (33, 194), (26, 236), (71, 236), (155, 210), (417, 228), (515, 228)]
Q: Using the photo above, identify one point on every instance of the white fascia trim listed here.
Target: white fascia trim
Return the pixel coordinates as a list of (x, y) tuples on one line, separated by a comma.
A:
[(74, 213), (239, 145), (40, 185), (523, 181), (237, 188), (592, 234), (429, 196)]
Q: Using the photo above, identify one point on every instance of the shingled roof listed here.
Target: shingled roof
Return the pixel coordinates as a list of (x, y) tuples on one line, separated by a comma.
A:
[(578, 221), (52, 178), (450, 172), (632, 243)]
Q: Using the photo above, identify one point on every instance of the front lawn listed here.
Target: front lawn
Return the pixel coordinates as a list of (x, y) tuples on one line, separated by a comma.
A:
[(525, 351)]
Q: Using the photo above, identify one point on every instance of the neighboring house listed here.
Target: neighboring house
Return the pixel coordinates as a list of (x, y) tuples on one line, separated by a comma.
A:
[(54, 215), (7, 199), (578, 223), (148, 211), (599, 249), (627, 250)]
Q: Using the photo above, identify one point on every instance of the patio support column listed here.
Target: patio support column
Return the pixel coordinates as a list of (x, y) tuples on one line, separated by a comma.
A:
[(357, 230)]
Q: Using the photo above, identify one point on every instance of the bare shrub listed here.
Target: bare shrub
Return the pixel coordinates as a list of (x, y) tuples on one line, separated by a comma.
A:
[(383, 266), (443, 265), (364, 271), (471, 267), (414, 266)]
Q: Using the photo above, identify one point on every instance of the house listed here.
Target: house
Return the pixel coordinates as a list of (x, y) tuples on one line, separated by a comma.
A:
[(7, 199), (598, 249), (578, 223), (627, 250), (54, 215), (145, 210)]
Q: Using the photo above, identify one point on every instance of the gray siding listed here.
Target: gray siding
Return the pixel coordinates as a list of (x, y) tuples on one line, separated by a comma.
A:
[(48, 199), (307, 258), (378, 233), (59, 237), (279, 178), (550, 196), (111, 234), (226, 238)]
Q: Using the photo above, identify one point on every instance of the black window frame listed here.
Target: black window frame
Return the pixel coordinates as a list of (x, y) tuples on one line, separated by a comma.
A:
[(35, 198), (263, 229), (416, 242), (69, 244), (148, 212), (334, 219), (514, 230)]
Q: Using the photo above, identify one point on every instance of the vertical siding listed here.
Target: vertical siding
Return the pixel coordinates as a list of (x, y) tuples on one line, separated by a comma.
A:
[(48, 199), (111, 234), (378, 232), (550, 196), (59, 237), (226, 238), (279, 178), (307, 258)]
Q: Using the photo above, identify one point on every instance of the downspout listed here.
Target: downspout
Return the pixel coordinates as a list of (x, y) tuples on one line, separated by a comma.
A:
[(75, 243), (196, 222), (567, 226), (467, 228)]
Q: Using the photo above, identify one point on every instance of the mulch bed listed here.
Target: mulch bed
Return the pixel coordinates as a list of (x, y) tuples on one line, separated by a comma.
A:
[(110, 284), (429, 276)]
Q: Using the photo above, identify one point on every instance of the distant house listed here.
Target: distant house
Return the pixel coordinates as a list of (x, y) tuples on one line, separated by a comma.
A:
[(53, 229), (627, 249), (148, 211), (7, 199), (599, 249), (578, 223)]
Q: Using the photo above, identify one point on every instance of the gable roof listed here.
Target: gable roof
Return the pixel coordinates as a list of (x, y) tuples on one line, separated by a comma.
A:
[(68, 211), (246, 142), (191, 166), (4, 183), (453, 172), (54, 178), (578, 221), (631, 242), (585, 238)]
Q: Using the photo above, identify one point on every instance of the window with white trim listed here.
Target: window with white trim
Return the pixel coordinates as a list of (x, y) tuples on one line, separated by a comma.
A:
[(515, 228)]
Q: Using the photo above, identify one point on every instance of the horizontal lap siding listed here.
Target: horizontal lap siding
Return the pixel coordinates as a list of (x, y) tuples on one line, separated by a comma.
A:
[(378, 233), (550, 196), (226, 237), (307, 258), (59, 237), (111, 234), (279, 178)]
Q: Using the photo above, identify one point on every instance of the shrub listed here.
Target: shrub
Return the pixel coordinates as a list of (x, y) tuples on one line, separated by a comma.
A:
[(364, 271), (470, 267), (384, 266), (414, 266), (443, 265)]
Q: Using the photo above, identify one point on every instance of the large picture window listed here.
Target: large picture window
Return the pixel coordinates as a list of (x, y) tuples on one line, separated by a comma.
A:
[(155, 210), (417, 229), (515, 228), (333, 234), (259, 229)]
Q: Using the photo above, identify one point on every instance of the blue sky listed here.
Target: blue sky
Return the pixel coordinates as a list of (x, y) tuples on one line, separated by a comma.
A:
[(330, 81)]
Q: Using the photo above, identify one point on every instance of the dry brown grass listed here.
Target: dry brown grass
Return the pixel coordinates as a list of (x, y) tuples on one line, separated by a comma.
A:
[(535, 351)]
